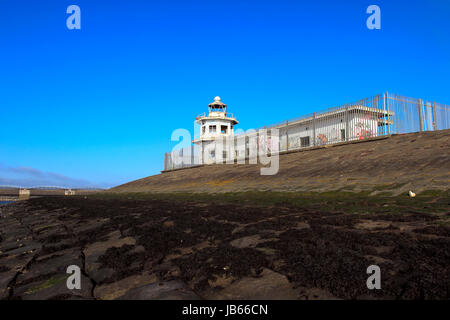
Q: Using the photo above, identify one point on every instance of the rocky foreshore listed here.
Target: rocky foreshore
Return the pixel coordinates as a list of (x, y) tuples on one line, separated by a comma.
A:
[(316, 247)]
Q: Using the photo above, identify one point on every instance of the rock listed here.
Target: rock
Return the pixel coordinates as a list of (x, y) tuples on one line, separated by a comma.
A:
[(56, 262), (371, 225), (167, 290), (53, 287), (16, 262), (315, 294), (168, 224), (14, 233), (138, 249), (101, 275), (249, 241), (268, 251), (114, 290), (88, 226), (5, 279), (24, 249), (60, 245), (261, 288), (221, 281), (179, 252), (95, 250), (45, 230)]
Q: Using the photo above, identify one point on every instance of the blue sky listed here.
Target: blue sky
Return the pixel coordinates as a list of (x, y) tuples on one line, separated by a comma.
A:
[(97, 106)]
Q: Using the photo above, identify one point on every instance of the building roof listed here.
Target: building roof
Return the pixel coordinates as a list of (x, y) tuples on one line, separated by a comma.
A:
[(379, 114)]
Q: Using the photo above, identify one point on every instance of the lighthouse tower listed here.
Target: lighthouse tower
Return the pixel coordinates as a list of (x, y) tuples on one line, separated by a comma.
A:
[(216, 127)]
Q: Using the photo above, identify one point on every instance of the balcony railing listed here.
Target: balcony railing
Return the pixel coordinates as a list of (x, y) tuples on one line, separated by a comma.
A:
[(218, 116)]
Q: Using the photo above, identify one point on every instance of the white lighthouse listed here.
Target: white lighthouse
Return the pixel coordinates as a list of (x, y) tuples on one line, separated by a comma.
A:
[(216, 128)]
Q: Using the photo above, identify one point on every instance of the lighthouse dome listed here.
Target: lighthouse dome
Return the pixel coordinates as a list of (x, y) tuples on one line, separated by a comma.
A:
[(217, 103)]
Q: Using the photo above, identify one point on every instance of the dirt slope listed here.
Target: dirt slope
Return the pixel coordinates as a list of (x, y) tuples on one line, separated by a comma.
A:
[(417, 161)]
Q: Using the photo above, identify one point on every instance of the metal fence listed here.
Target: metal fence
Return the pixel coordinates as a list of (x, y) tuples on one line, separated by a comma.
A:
[(375, 116)]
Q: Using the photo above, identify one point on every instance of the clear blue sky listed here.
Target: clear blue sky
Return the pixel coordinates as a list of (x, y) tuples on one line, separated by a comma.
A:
[(97, 106)]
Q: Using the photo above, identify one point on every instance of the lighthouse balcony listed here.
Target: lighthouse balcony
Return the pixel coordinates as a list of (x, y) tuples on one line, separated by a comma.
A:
[(216, 115)]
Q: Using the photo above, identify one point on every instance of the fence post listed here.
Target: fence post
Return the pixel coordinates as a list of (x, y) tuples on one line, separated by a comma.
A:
[(182, 157), (434, 117), (314, 129), (420, 105), (287, 135), (387, 113), (246, 148), (192, 155), (168, 161), (165, 161), (347, 126)]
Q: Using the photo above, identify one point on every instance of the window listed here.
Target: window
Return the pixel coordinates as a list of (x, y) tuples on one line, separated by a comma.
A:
[(203, 129), (342, 134), (212, 129), (212, 154), (223, 129), (224, 155), (304, 141)]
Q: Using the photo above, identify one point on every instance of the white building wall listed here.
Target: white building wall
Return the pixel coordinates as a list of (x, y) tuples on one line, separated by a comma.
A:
[(329, 130), (211, 144), (218, 123), (363, 126)]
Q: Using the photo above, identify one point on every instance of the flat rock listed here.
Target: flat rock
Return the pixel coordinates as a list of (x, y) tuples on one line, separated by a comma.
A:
[(15, 233), (27, 248), (16, 262), (315, 294), (166, 290), (249, 241), (370, 225), (5, 279), (53, 287), (53, 263), (97, 249), (87, 226), (101, 275), (261, 288), (114, 290)]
